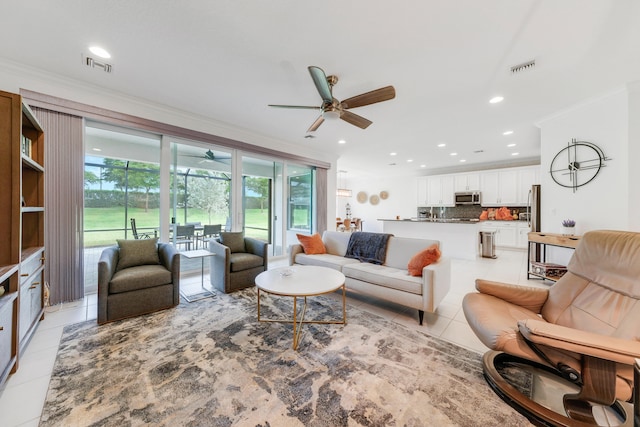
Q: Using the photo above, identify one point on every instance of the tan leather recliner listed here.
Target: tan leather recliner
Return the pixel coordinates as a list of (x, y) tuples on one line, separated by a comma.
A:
[(586, 326)]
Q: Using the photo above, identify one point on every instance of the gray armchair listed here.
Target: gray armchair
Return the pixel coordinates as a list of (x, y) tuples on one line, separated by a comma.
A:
[(237, 261), (137, 277)]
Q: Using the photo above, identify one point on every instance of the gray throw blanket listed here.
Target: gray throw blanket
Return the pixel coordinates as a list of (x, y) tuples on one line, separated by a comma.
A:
[(368, 247)]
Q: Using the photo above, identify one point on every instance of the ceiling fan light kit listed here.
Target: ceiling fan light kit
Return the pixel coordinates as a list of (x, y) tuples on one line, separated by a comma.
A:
[(332, 109)]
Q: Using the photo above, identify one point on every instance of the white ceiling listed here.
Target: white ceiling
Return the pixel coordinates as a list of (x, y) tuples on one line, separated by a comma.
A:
[(228, 59)]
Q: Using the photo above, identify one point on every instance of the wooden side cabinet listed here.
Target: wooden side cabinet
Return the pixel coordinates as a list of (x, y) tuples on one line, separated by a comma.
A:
[(538, 242), (22, 227)]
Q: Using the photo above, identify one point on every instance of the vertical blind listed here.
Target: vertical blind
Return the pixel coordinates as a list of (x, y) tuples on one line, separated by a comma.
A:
[(63, 187)]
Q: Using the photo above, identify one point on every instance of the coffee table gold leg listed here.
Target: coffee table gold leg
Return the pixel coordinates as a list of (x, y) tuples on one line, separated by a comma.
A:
[(259, 305), (344, 305), (295, 321)]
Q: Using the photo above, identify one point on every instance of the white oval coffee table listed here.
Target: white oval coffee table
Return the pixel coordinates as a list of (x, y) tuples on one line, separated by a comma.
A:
[(301, 281)]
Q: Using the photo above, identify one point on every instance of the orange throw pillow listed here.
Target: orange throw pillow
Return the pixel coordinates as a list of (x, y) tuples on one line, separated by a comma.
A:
[(312, 245), (422, 259)]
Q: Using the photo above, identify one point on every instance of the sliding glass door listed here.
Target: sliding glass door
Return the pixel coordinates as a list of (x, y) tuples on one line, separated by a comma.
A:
[(158, 185), (122, 184)]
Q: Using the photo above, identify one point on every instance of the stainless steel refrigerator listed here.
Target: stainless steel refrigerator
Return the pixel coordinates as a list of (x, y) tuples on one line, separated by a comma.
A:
[(533, 211), (533, 208)]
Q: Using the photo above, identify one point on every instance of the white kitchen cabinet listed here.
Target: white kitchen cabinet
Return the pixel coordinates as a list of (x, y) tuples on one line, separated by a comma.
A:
[(523, 234), (467, 182), (508, 234), (422, 191), (500, 188), (526, 178), (440, 190)]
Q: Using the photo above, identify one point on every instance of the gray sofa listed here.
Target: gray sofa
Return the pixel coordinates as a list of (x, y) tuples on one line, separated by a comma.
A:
[(390, 281), (139, 289)]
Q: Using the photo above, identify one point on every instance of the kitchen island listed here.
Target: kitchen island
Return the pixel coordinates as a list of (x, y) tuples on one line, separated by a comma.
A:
[(458, 238)]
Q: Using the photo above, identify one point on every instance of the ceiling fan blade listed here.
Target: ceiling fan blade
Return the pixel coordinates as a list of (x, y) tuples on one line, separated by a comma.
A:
[(295, 106), (316, 124), (378, 95), (320, 80), (355, 119)]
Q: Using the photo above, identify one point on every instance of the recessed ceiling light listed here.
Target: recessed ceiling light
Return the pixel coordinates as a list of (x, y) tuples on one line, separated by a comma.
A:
[(342, 141), (453, 154), (393, 154), (507, 132), (423, 166), (496, 99), (442, 144), (409, 160), (462, 160), (511, 145), (514, 154), (98, 51), (96, 149)]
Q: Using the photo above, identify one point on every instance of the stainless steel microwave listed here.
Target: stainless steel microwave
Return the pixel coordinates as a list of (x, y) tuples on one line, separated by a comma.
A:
[(468, 198)]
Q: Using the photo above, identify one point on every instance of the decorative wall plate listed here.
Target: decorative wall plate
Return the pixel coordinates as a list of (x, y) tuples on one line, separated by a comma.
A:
[(374, 199), (362, 197), (384, 195)]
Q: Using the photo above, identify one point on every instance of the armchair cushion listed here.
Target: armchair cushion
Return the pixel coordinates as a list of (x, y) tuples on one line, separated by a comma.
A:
[(233, 240), (244, 261), (140, 277), (137, 252), (524, 296)]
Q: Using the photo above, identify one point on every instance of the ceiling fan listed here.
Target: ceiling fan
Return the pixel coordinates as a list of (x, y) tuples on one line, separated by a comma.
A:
[(209, 156), (331, 108)]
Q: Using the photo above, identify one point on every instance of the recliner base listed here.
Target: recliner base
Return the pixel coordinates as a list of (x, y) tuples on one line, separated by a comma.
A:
[(548, 409)]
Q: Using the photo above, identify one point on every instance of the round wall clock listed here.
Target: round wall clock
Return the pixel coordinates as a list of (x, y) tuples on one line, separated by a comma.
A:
[(577, 164)]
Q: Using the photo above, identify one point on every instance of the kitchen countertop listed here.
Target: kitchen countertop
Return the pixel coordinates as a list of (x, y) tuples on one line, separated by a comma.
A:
[(450, 220)]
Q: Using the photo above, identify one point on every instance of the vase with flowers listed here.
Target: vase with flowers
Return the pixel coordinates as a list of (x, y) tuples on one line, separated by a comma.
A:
[(568, 227)]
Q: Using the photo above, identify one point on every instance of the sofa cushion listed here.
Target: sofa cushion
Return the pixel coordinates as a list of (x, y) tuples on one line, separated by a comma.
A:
[(325, 260), (401, 249), (422, 259), (311, 245), (336, 242), (243, 261), (381, 275), (139, 277), (137, 252), (233, 240)]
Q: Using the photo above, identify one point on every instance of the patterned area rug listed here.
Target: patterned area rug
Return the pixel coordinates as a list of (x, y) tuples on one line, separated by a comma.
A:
[(211, 363)]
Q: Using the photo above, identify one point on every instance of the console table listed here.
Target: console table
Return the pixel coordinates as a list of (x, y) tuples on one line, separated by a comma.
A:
[(547, 239)]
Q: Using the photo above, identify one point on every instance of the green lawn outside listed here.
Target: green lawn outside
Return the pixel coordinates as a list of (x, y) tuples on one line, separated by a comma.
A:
[(113, 218)]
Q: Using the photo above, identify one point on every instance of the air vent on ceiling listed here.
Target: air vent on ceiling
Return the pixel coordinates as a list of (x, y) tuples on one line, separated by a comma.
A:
[(90, 62), (523, 67)]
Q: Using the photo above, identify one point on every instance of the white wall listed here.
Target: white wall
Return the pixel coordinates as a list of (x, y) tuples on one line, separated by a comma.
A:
[(402, 200), (634, 156), (604, 202)]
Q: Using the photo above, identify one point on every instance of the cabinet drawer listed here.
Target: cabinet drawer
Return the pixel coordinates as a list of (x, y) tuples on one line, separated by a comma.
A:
[(29, 267), (6, 329), (30, 293)]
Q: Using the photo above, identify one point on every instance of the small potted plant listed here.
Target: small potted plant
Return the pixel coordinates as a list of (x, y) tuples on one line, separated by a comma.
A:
[(568, 227)]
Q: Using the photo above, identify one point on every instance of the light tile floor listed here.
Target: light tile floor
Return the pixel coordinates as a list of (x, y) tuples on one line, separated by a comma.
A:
[(23, 395)]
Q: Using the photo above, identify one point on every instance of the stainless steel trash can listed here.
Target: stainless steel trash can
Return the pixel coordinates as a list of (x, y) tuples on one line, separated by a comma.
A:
[(488, 244)]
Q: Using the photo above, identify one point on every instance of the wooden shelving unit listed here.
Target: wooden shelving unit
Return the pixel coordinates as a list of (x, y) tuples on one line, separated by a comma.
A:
[(22, 213), (541, 240)]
